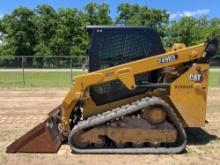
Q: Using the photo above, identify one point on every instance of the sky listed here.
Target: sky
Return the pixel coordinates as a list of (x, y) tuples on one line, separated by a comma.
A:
[(176, 8)]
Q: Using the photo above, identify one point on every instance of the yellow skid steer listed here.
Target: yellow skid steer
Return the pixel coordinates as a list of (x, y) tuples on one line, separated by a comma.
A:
[(135, 98)]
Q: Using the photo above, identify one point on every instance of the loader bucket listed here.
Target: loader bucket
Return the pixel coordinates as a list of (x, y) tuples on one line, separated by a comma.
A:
[(44, 138)]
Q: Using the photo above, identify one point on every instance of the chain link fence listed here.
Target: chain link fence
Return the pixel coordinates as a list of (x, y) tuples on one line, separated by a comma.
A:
[(55, 71), (40, 71)]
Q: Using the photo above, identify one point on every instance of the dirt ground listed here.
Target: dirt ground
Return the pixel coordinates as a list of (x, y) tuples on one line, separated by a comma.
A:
[(21, 110)]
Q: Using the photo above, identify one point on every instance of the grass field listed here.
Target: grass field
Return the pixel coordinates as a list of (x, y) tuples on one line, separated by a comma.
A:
[(37, 79), (60, 79), (214, 78)]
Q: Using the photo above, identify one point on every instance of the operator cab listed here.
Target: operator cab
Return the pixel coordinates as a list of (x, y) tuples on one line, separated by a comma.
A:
[(110, 46)]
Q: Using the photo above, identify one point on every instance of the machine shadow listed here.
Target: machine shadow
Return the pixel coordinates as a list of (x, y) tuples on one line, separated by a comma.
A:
[(198, 136)]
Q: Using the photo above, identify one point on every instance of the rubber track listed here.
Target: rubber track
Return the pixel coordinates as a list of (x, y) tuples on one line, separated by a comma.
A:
[(127, 110)]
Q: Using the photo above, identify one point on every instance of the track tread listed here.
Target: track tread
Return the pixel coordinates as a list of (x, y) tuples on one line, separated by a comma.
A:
[(126, 110)]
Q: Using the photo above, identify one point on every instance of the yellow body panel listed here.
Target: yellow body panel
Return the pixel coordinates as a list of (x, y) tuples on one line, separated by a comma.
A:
[(190, 97), (92, 109), (125, 73)]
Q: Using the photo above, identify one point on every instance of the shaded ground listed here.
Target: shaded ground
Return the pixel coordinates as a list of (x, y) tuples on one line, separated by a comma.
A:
[(21, 110)]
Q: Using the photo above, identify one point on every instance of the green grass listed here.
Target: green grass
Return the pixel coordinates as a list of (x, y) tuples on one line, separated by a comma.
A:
[(59, 79), (214, 79), (36, 79)]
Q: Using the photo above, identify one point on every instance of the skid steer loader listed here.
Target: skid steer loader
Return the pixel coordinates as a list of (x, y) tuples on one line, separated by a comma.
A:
[(136, 97)]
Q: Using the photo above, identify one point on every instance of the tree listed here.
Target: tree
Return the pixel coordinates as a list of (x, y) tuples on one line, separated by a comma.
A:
[(46, 25), (215, 28), (141, 15), (187, 30), (46, 31), (70, 36), (129, 14), (97, 14), (19, 30)]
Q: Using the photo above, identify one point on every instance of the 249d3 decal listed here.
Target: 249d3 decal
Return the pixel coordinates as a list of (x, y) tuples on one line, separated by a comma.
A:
[(167, 59)]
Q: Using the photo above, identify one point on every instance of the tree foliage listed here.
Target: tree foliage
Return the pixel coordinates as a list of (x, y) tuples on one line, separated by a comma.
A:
[(46, 24), (97, 14), (141, 15), (19, 31), (188, 30), (46, 31)]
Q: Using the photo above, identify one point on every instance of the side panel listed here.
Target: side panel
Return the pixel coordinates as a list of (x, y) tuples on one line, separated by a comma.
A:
[(189, 95), (91, 108)]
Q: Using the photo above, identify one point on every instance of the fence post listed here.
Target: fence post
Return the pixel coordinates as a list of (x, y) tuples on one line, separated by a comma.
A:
[(23, 78)]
